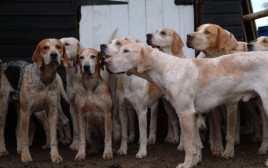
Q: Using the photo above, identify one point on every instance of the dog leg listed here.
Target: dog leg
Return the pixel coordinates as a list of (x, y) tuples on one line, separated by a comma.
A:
[(215, 137), (131, 117), (32, 130), (237, 127), (81, 154), (24, 126), (3, 112), (142, 117), (42, 118), (181, 145), (153, 123), (230, 135), (66, 127), (108, 152), (124, 126), (192, 142), (74, 145), (53, 122), (264, 144)]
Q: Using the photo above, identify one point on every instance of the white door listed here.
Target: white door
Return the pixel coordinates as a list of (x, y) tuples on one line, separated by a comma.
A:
[(137, 18)]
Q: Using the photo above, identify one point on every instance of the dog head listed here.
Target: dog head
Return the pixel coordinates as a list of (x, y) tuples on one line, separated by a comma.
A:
[(260, 45), (72, 46), (88, 60), (132, 56), (131, 39), (50, 51), (165, 38), (210, 36), (113, 47)]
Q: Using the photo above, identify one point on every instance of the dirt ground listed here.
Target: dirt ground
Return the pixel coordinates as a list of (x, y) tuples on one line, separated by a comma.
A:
[(161, 155)]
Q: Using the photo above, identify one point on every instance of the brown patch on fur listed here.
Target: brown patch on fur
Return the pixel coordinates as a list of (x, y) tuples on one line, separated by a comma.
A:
[(227, 66), (37, 53), (177, 43), (145, 62), (153, 91)]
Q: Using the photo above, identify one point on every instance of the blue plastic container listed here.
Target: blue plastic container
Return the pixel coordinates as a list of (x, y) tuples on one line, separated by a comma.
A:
[(263, 31)]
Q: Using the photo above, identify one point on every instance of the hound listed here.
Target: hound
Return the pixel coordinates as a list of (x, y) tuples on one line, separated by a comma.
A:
[(40, 91), (92, 102), (139, 94), (198, 86), (11, 77), (215, 41), (168, 41)]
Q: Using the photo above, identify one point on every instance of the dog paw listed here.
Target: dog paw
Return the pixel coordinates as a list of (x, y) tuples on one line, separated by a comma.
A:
[(151, 140), (45, 147), (262, 150), (80, 157), (56, 158), (26, 158), (141, 154), (131, 138), (4, 153), (74, 147), (227, 154), (180, 147), (256, 139), (175, 140), (121, 152), (183, 165), (168, 139), (108, 155), (93, 151)]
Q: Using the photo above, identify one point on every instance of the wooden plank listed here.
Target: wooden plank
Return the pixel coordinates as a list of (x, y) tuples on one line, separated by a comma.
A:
[(86, 26), (119, 20), (101, 25), (33, 36), (154, 15), (170, 15), (137, 22), (222, 19), (12, 50), (221, 7), (14, 12), (188, 28), (23, 1), (43, 6), (37, 22)]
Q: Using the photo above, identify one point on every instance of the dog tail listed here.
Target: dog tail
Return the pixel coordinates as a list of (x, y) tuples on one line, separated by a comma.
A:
[(62, 91)]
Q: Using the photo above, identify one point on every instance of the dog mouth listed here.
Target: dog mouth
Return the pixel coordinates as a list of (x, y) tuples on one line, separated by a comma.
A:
[(149, 42), (109, 71), (189, 43)]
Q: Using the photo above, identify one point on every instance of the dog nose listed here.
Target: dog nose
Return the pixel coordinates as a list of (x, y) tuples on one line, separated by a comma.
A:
[(86, 67), (189, 36), (53, 55), (103, 46), (250, 46), (202, 130), (149, 35)]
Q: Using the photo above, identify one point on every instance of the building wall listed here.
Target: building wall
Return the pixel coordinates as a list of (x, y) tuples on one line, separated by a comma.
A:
[(137, 18)]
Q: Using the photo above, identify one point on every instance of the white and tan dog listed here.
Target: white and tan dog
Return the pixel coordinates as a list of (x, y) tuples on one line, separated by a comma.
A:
[(196, 85), (139, 94), (215, 41)]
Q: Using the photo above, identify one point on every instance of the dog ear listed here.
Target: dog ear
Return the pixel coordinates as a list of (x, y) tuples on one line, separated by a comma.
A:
[(145, 63), (76, 61), (101, 59), (223, 38), (37, 57), (65, 58), (177, 43)]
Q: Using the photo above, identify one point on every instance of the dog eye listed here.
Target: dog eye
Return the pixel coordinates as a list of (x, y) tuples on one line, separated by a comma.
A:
[(92, 56), (58, 47), (207, 32), (66, 44), (118, 43), (163, 33), (265, 41), (45, 47), (125, 51), (82, 57)]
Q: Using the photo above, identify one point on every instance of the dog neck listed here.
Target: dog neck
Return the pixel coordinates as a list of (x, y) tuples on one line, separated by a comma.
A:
[(91, 81), (48, 73), (168, 50), (214, 52)]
